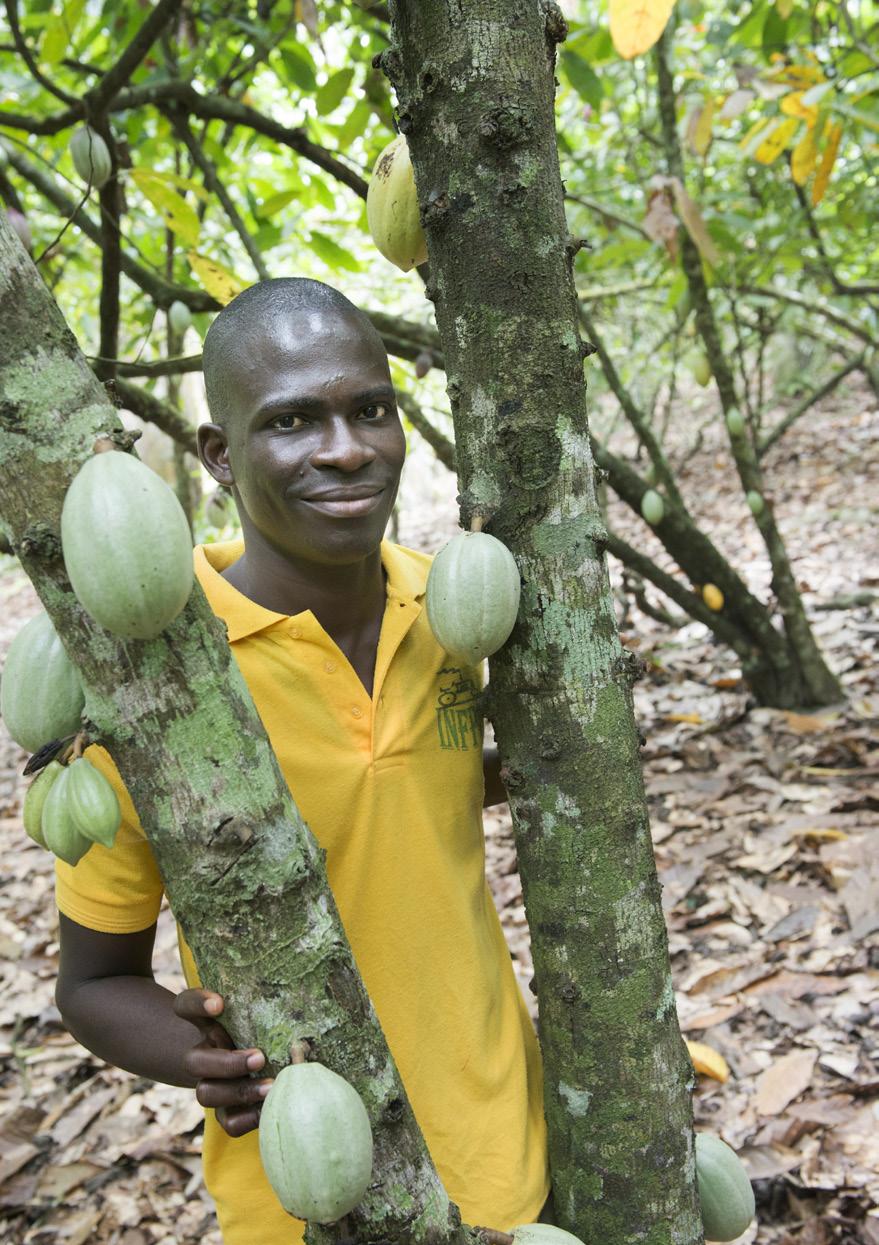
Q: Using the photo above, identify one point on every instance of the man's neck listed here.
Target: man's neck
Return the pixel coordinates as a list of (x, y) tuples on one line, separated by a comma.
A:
[(344, 599)]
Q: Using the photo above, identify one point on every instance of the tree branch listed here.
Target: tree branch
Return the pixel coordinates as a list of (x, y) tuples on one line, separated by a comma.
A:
[(215, 185), (442, 446), (813, 307), (808, 401), (110, 199), (840, 287), (594, 206), (115, 79), (28, 57), (147, 406)]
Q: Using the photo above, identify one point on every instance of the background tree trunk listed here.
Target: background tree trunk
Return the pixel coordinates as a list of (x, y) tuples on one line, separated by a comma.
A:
[(475, 88)]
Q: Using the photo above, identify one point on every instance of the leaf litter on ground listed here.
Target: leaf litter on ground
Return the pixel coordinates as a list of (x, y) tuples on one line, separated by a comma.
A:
[(764, 823)]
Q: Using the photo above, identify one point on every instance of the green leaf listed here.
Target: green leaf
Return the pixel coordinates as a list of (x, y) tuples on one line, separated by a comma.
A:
[(279, 201), (330, 95), (299, 67), (333, 255), (582, 78), (179, 216), (321, 194), (355, 123), (60, 29), (774, 33)]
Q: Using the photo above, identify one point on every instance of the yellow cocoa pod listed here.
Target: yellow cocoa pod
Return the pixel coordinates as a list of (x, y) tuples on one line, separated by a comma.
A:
[(713, 597), (392, 208)]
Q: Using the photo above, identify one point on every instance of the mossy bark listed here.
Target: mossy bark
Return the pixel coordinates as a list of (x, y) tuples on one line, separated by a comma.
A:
[(475, 89), (244, 876)]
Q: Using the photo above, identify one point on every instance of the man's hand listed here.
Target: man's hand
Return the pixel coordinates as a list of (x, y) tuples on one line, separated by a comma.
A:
[(222, 1072)]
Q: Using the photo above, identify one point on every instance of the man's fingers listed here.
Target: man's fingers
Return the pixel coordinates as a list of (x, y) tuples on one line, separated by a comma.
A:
[(198, 1005), (231, 1094), (239, 1121), (213, 1063)]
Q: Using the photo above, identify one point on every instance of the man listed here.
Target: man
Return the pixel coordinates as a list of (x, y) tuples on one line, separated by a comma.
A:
[(376, 733)]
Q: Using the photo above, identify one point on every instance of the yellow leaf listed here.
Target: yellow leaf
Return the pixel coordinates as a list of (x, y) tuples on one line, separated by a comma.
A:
[(60, 28), (798, 75), (825, 834), (806, 723), (804, 156), (776, 140), (635, 25), (833, 131), (750, 139), (694, 224), (792, 106), (179, 216), (700, 139), (694, 719), (785, 8), (708, 1061), (216, 279)]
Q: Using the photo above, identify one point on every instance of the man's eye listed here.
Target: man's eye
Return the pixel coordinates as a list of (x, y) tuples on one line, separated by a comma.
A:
[(286, 421), (376, 410)]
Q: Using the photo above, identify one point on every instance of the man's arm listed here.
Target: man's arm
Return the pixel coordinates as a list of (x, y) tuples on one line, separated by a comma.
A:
[(491, 769), (111, 1004)]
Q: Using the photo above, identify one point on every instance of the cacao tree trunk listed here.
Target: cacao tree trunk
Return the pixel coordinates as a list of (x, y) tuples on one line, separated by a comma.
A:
[(243, 875), (475, 89)]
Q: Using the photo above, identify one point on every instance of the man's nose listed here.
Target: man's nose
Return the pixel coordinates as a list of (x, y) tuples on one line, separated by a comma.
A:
[(340, 446)]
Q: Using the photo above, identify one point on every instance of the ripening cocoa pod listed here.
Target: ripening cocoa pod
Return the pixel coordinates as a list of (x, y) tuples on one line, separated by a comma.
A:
[(755, 502), (179, 317), (652, 507), (34, 800), (92, 803), (392, 208), (735, 422)]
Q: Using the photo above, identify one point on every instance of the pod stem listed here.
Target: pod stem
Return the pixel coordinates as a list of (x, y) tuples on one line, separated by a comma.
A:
[(78, 745), (476, 526), (299, 1051), (493, 1237), (103, 445)]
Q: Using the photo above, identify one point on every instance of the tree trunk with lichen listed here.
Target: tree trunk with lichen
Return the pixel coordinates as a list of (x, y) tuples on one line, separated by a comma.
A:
[(243, 875), (475, 88)]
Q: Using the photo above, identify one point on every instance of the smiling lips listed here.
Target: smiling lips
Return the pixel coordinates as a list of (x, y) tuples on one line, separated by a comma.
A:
[(346, 503)]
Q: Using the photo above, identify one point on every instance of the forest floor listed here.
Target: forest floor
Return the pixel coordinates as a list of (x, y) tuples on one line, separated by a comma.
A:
[(765, 828)]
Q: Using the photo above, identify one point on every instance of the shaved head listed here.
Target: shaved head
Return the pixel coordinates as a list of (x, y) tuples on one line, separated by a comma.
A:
[(267, 310)]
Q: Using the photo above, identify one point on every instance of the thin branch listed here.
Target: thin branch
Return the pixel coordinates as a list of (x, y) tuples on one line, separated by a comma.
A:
[(162, 293), (147, 406), (116, 78), (110, 199), (594, 206), (215, 185), (28, 57), (207, 107), (808, 401), (812, 306), (840, 287), (442, 446)]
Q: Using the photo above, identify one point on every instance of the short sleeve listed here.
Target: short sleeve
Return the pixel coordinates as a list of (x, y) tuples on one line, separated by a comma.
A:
[(115, 890)]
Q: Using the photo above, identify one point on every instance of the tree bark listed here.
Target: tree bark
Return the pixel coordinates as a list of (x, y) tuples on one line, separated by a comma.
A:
[(243, 875), (475, 89)]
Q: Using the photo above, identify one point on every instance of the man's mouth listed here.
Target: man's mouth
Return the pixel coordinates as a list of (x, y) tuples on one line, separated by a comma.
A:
[(346, 503)]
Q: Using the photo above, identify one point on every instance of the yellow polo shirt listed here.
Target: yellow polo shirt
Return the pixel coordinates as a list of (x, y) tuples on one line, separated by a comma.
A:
[(391, 786)]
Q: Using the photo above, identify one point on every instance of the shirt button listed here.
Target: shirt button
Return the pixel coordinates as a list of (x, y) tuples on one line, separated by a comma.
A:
[(329, 666), (358, 713), (296, 632)]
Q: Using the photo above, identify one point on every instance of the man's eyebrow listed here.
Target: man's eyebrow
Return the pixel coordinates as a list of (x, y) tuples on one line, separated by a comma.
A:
[(309, 402)]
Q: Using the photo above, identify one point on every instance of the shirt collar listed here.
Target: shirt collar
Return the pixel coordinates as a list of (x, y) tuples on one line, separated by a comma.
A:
[(244, 617)]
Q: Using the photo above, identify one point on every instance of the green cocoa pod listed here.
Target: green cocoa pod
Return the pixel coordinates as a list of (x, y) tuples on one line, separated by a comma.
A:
[(650, 473), (219, 508), (543, 1234), (725, 1193), (59, 831), (127, 546), (92, 803), (91, 156), (755, 502), (315, 1143), (41, 695), (700, 368), (179, 316), (652, 507), (473, 596), (35, 798), (735, 422)]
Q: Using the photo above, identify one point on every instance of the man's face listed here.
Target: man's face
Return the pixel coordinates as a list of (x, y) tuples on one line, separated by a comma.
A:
[(314, 443)]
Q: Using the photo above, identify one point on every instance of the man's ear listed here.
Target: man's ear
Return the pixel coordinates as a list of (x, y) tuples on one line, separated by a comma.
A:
[(213, 450)]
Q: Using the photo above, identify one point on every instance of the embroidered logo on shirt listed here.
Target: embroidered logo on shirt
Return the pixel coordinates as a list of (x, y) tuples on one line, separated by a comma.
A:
[(457, 720)]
